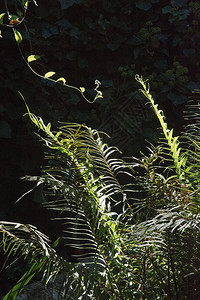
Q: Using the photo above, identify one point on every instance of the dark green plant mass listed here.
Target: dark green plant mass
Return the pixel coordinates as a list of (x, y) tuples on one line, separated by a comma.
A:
[(109, 227), (122, 245)]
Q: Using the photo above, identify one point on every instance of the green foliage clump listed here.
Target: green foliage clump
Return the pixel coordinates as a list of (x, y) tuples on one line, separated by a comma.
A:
[(130, 228), (128, 240)]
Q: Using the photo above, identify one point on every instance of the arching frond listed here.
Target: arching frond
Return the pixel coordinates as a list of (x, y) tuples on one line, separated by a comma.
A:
[(118, 235), (172, 144), (79, 182), (77, 279)]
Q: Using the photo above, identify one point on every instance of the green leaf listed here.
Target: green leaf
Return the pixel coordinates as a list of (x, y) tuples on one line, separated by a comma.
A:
[(25, 3), (48, 128), (61, 80), (18, 36), (144, 5), (99, 96), (49, 74), (170, 137), (32, 58), (82, 89), (55, 244), (12, 294), (1, 18), (167, 9)]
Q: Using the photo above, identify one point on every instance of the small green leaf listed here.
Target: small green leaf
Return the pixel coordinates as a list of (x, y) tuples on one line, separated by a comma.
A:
[(170, 137), (99, 95), (49, 74), (82, 89), (62, 80), (56, 242), (32, 58), (48, 128), (1, 18), (18, 36), (25, 3)]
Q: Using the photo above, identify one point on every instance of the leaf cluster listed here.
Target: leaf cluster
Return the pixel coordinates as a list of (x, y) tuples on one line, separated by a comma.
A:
[(136, 239), (131, 227)]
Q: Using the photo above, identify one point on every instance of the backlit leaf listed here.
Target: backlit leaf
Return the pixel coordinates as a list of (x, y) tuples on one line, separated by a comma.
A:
[(25, 3), (32, 58), (49, 74), (18, 36), (61, 80), (1, 18)]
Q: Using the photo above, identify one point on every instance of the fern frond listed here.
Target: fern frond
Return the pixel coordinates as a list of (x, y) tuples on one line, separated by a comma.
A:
[(82, 182), (172, 142), (28, 241), (191, 138)]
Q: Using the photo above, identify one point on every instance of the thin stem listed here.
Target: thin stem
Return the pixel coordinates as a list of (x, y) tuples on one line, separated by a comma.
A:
[(19, 22), (80, 90), (98, 95)]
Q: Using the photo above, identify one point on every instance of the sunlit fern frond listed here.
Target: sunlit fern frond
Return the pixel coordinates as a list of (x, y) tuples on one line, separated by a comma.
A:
[(77, 280), (80, 180), (26, 240), (167, 248), (174, 219), (93, 154), (26, 237), (171, 147)]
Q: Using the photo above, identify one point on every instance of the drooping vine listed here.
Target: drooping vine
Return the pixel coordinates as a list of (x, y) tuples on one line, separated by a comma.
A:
[(14, 21)]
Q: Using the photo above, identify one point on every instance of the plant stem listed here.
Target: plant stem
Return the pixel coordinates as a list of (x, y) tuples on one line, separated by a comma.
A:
[(171, 261)]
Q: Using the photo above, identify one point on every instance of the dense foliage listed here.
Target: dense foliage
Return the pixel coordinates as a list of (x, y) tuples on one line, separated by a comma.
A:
[(139, 218), (84, 41), (122, 245)]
